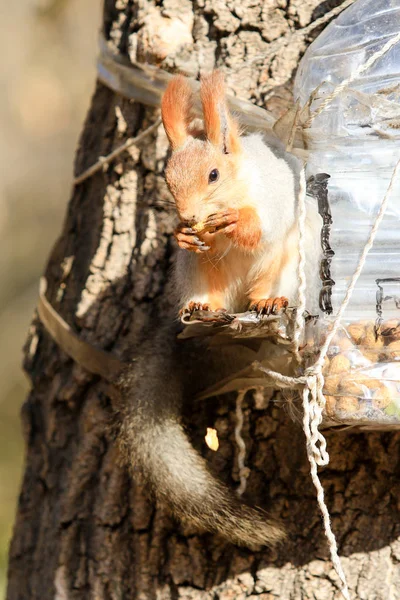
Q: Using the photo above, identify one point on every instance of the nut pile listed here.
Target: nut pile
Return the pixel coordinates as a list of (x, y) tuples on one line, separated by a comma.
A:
[(362, 375)]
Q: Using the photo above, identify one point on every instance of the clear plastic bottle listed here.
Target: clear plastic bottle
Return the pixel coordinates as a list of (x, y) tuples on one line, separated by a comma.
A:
[(356, 140)]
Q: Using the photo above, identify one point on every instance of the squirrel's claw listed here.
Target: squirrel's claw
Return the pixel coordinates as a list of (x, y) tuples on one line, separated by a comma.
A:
[(269, 306), (221, 220), (206, 314), (190, 308), (188, 239)]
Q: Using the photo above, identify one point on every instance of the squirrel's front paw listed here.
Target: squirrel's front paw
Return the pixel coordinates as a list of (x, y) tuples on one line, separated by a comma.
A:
[(225, 220), (188, 239), (270, 306)]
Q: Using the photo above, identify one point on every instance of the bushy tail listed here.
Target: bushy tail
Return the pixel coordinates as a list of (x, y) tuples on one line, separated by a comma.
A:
[(154, 440)]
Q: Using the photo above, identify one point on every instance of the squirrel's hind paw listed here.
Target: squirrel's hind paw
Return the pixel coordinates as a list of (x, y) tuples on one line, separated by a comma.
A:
[(269, 306), (205, 313), (190, 308)]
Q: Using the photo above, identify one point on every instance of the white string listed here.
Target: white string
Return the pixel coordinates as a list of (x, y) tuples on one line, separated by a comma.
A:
[(346, 82), (313, 397), (281, 381), (314, 400), (243, 470), (308, 418), (313, 405)]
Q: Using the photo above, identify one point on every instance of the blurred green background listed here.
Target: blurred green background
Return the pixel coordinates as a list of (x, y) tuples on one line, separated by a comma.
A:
[(47, 74)]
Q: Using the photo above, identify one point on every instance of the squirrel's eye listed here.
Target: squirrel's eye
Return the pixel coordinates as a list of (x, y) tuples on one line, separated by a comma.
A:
[(213, 176)]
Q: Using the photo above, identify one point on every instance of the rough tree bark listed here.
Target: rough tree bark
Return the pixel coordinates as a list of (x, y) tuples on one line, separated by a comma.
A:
[(84, 527)]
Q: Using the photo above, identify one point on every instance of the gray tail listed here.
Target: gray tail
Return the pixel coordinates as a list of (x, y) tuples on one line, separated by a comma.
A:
[(154, 440)]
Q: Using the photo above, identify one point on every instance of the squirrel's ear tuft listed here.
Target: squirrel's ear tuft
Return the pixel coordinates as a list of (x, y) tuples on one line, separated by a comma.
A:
[(176, 110), (220, 127)]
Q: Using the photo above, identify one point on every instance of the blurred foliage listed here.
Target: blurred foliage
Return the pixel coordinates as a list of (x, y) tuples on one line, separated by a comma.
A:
[(48, 50)]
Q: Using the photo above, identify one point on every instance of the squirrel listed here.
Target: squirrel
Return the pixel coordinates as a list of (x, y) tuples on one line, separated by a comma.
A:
[(236, 197)]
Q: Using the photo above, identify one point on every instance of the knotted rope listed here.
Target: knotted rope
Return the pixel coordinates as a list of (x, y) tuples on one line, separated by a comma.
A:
[(313, 380), (313, 383)]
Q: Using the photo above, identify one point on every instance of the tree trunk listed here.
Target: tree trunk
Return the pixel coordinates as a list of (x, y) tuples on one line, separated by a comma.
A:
[(86, 528)]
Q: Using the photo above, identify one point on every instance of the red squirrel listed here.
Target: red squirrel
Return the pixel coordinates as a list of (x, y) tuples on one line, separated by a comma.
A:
[(236, 197)]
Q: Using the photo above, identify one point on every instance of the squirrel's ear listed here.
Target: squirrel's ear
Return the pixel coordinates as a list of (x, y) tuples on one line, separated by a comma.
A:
[(221, 129), (176, 110)]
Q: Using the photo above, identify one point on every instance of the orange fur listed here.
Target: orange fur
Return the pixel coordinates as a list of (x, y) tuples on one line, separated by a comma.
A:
[(176, 111), (216, 283), (221, 129), (187, 178), (247, 232), (263, 286)]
